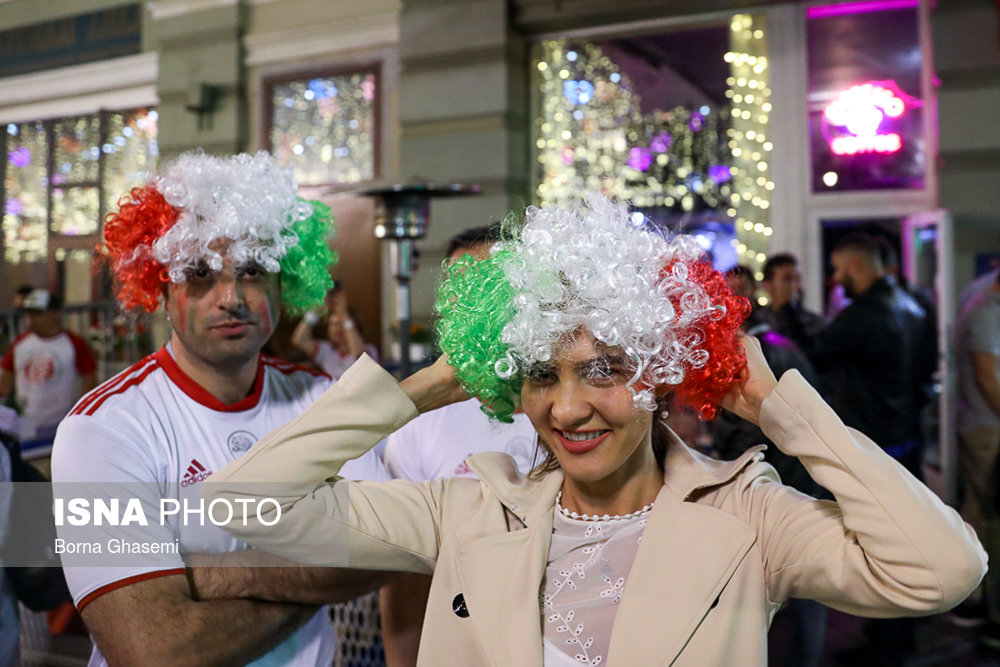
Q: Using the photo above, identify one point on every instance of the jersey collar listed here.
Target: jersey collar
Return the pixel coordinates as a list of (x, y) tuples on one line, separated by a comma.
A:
[(199, 394)]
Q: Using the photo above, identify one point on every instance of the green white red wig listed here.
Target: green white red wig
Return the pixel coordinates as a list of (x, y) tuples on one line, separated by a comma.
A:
[(174, 223), (598, 267)]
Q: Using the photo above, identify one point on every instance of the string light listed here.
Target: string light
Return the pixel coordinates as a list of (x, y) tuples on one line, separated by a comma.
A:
[(749, 89)]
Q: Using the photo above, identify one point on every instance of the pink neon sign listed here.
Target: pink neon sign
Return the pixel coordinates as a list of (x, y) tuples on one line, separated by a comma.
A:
[(853, 122)]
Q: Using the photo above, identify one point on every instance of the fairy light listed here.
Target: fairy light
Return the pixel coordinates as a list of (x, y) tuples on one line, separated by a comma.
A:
[(749, 141), (591, 135)]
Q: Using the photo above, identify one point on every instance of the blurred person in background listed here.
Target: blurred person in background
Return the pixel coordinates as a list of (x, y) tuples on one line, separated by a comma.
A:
[(48, 368), (978, 357), (732, 436), (342, 343), (784, 311)]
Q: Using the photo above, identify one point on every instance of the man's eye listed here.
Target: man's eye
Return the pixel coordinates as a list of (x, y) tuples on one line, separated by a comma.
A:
[(199, 273)]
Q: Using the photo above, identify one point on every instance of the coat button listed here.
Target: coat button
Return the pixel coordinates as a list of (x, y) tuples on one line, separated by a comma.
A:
[(458, 606)]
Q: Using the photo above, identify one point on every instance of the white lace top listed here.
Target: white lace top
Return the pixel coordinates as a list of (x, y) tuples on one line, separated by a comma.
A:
[(589, 562)]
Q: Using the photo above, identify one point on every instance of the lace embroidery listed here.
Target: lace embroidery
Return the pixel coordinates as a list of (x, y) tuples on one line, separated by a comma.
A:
[(588, 567)]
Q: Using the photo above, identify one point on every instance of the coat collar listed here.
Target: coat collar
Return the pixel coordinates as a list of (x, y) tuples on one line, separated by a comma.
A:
[(685, 471)]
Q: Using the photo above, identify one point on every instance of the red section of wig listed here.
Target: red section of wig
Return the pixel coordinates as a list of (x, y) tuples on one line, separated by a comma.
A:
[(703, 387), (143, 216)]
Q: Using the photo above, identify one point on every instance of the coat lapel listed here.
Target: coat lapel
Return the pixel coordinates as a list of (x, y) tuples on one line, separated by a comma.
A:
[(687, 554), (501, 574)]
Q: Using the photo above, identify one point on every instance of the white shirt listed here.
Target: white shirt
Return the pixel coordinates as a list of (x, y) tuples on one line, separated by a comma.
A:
[(47, 375), (154, 426), (436, 443)]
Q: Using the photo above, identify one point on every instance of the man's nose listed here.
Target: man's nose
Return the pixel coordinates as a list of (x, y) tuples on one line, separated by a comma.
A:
[(230, 293)]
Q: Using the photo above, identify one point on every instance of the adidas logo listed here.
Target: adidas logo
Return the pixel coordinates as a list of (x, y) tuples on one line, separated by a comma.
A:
[(195, 473)]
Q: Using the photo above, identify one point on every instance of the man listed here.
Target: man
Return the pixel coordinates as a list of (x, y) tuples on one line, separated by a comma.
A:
[(868, 353), (435, 445), (868, 359), (978, 354), (48, 367), (784, 311), (222, 244)]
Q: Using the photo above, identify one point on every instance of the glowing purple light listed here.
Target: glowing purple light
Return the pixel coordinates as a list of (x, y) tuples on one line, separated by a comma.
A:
[(661, 143), (860, 8), (640, 158), (719, 173), (20, 157), (14, 206)]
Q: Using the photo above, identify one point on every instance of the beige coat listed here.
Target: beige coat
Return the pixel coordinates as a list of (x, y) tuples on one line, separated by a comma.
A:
[(725, 545)]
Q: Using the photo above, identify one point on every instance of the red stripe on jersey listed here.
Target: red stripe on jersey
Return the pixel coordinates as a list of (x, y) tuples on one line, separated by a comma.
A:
[(121, 583), (201, 395), (288, 367), (111, 384), (195, 462), (128, 385)]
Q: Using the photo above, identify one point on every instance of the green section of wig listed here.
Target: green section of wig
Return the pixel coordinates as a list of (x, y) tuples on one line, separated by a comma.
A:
[(305, 268), (473, 303)]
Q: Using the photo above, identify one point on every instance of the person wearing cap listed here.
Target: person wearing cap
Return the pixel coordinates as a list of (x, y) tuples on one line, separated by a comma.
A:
[(624, 546), (48, 368), (222, 244)]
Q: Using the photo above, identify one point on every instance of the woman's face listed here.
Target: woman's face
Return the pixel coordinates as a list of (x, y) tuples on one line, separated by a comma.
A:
[(581, 408)]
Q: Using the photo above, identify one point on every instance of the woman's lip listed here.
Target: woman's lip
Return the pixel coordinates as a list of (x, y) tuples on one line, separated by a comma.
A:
[(581, 446)]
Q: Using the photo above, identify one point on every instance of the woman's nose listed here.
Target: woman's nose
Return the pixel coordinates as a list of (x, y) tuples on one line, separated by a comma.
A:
[(570, 406)]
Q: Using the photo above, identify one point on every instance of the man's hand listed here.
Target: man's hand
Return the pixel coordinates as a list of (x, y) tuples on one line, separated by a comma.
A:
[(745, 398)]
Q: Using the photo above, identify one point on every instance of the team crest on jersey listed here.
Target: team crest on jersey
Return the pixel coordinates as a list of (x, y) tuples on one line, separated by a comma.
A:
[(240, 441)]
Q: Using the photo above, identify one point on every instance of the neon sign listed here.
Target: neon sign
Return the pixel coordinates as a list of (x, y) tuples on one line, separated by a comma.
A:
[(854, 123)]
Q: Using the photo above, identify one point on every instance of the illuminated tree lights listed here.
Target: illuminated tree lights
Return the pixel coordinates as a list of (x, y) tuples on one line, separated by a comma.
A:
[(591, 135), (749, 139)]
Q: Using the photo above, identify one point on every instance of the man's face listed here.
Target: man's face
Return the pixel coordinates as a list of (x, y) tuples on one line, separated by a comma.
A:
[(784, 285), (224, 317), (43, 322), (741, 286), (843, 272)]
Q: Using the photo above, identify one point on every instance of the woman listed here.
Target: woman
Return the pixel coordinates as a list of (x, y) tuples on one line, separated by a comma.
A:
[(624, 546), (343, 344)]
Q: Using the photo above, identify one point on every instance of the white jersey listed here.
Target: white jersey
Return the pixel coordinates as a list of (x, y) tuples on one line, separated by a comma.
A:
[(436, 443), (153, 424)]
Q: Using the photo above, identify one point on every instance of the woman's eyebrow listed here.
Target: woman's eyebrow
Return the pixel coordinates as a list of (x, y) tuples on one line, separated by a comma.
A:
[(603, 361)]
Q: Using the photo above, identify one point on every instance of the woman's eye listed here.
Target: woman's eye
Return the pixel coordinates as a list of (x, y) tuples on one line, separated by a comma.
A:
[(540, 376), (602, 374)]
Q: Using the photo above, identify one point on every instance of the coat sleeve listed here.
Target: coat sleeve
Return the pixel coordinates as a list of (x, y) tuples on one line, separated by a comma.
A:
[(323, 519), (887, 547)]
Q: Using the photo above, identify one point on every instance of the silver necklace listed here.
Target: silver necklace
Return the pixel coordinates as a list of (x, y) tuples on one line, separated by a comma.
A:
[(600, 517)]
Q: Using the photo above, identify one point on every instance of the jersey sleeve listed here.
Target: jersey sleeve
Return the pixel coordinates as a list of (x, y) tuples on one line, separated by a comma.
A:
[(984, 329), (93, 460), (7, 363), (85, 361)]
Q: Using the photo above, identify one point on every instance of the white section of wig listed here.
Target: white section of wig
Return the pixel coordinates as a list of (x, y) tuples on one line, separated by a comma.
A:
[(596, 266), (246, 200)]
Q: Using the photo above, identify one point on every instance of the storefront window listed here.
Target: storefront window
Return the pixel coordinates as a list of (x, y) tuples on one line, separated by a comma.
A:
[(865, 98), (617, 116), (63, 176), (326, 127)]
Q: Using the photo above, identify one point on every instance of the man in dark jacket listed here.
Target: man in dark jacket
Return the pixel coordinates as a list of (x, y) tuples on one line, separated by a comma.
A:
[(868, 354)]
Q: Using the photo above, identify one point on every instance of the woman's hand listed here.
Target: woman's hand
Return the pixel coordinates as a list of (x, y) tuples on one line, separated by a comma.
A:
[(434, 387), (745, 398)]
